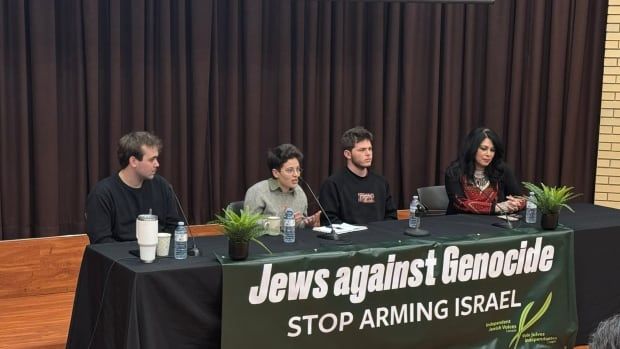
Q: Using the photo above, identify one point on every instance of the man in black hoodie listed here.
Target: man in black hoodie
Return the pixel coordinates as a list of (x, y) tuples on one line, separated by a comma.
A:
[(355, 195), (115, 202)]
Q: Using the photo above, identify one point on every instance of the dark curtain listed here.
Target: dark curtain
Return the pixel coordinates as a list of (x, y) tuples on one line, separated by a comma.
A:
[(221, 81)]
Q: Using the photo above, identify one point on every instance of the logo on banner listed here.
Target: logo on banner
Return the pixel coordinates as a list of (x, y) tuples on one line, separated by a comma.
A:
[(525, 323)]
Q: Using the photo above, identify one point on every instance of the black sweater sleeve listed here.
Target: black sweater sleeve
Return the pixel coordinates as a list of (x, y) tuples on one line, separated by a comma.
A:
[(99, 216), (390, 208), (453, 188), (173, 216), (453, 185), (329, 198), (510, 183)]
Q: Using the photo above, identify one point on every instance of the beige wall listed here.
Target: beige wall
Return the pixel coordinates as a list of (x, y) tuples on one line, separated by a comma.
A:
[(607, 189)]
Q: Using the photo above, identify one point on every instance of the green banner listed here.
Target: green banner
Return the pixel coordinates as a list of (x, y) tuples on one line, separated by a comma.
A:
[(493, 291)]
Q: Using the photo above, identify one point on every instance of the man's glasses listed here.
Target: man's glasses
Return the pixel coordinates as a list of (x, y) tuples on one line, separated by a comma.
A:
[(292, 170)]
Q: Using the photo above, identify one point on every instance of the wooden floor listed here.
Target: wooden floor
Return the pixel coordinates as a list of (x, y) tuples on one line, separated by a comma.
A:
[(40, 324)]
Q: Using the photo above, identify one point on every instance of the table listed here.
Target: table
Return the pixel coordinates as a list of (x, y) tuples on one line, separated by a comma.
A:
[(177, 304)]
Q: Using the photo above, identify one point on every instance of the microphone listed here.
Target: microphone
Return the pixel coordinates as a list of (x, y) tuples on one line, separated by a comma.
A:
[(332, 234), (194, 251), (422, 209)]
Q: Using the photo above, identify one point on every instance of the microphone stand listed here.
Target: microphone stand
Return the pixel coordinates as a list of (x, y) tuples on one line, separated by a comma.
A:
[(417, 231), (194, 251), (331, 235), (507, 224)]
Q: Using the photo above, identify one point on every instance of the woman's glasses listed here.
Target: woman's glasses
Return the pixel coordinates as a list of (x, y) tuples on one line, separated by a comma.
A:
[(292, 170)]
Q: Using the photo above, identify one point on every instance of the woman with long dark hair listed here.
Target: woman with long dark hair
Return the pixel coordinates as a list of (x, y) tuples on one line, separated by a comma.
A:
[(479, 181)]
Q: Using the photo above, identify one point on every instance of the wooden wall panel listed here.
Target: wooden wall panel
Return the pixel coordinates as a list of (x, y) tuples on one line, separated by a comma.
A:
[(41, 265)]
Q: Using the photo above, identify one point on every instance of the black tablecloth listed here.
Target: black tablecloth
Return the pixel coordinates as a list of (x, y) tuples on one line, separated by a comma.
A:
[(177, 304)]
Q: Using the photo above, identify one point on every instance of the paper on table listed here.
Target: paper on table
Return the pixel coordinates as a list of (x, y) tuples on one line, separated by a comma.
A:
[(340, 228), (510, 217)]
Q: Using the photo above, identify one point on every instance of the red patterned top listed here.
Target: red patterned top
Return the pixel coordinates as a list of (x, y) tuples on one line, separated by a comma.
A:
[(465, 197), (476, 200)]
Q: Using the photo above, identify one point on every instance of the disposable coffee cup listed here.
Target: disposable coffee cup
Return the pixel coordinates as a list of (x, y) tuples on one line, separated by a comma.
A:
[(272, 224), (163, 244)]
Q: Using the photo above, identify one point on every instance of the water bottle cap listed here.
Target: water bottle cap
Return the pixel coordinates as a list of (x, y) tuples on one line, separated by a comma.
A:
[(288, 213), (181, 223), (531, 193), (415, 197)]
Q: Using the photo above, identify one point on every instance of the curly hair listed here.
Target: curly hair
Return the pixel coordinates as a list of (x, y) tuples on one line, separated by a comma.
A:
[(607, 334), (277, 156)]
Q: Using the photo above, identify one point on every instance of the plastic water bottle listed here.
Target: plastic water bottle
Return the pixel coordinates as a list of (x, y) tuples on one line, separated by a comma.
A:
[(289, 226), (414, 221), (530, 210), (180, 241)]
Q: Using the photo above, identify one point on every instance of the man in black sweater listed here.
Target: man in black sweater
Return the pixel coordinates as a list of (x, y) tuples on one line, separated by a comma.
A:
[(115, 202), (355, 195)]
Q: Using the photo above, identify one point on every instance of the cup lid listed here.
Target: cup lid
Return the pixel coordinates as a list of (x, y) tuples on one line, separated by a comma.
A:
[(147, 217)]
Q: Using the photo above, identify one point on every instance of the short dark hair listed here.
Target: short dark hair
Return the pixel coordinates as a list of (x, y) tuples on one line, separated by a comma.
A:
[(353, 136), (131, 145), (607, 334), (466, 162), (277, 156)]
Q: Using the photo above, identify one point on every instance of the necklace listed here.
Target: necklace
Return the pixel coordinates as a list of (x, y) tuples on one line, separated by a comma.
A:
[(481, 180)]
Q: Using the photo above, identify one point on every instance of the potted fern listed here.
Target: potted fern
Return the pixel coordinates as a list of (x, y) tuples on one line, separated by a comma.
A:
[(550, 201), (241, 228)]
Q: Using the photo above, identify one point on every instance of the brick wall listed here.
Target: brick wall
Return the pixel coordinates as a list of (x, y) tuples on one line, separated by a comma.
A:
[(607, 189)]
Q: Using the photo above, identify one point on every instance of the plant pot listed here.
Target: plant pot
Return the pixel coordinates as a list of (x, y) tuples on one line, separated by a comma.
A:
[(549, 221), (238, 250)]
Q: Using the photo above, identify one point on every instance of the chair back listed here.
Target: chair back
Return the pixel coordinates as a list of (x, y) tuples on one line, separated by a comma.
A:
[(236, 206), (402, 214), (434, 198)]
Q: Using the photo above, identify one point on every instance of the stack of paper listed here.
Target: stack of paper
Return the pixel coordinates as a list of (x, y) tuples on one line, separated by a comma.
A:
[(341, 228)]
